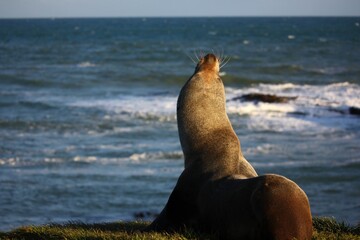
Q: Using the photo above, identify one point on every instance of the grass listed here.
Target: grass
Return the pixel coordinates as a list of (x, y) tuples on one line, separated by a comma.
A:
[(104, 231), (324, 229), (328, 228)]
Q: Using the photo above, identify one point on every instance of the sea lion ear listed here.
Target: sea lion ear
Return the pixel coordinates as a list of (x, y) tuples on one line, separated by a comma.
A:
[(197, 68)]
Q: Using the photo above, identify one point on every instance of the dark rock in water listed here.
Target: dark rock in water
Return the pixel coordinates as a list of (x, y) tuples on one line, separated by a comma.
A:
[(354, 110), (259, 97), (145, 215), (337, 110)]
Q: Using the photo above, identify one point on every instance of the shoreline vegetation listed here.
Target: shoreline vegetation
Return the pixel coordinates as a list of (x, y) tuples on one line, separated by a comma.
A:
[(325, 228)]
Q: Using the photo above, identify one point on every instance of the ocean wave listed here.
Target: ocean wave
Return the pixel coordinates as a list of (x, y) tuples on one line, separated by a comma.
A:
[(328, 70), (10, 161), (316, 108), (25, 162), (310, 107), (86, 65), (280, 69), (156, 156), (262, 149), (255, 109), (282, 124), (151, 107), (309, 98), (135, 157), (285, 164), (25, 81), (157, 108), (36, 105), (303, 69), (346, 163)]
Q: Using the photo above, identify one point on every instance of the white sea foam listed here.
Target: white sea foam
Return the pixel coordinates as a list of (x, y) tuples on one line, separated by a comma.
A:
[(86, 64), (53, 160), (115, 147), (138, 156), (291, 37), (249, 108), (308, 96), (135, 157), (99, 160), (18, 161), (156, 156), (284, 163), (159, 108), (312, 111), (85, 159), (262, 149), (286, 124), (312, 105), (9, 161)]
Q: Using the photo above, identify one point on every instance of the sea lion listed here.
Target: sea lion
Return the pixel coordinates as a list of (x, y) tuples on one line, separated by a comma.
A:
[(219, 191)]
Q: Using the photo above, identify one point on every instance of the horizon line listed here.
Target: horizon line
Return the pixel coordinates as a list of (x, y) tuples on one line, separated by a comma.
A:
[(204, 16)]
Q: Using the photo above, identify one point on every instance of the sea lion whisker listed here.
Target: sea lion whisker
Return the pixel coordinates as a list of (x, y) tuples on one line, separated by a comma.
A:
[(222, 57), (220, 54), (226, 60), (202, 54), (216, 53), (191, 58), (197, 57)]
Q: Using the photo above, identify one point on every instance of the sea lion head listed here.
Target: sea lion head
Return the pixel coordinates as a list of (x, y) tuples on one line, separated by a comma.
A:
[(204, 88), (208, 63)]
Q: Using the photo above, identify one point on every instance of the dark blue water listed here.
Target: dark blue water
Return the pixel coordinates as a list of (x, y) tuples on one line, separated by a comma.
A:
[(88, 110)]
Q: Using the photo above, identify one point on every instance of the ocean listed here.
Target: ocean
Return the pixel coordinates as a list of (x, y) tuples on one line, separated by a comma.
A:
[(88, 111)]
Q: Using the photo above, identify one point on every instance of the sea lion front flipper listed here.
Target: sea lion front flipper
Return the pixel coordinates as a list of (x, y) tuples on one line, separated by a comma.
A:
[(177, 214)]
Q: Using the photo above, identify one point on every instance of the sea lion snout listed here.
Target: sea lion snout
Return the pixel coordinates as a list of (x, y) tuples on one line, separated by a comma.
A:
[(210, 58), (208, 63)]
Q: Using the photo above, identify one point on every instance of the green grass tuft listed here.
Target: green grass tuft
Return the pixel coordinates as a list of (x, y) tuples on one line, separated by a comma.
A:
[(327, 224), (324, 229)]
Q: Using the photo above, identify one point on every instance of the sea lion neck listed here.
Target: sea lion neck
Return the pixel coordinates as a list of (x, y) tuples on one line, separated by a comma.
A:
[(209, 63)]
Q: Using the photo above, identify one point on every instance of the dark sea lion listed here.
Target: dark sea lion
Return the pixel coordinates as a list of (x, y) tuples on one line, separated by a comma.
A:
[(219, 191)]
